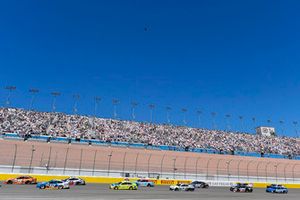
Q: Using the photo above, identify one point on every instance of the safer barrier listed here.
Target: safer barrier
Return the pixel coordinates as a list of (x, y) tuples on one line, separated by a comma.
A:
[(140, 145), (109, 180)]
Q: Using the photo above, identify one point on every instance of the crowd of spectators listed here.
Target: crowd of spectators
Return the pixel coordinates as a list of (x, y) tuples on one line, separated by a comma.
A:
[(75, 126)]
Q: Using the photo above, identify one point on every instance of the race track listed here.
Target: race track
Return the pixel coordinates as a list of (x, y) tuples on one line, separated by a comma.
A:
[(100, 192)]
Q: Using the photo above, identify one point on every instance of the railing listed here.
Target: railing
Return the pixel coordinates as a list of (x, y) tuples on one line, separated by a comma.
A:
[(146, 146)]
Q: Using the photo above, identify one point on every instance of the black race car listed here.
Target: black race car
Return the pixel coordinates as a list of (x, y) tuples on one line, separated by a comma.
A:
[(199, 184), (241, 187)]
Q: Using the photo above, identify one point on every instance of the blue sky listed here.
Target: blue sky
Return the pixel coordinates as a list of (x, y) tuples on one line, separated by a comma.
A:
[(230, 57)]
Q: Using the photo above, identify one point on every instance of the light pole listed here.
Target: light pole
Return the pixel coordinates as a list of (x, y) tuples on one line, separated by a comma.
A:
[(269, 122), (133, 106), (281, 122), (97, 100), (76, 98), (296, 128), (213, 115), (33, 93), (254, 123), (115, 102), (184, 110), (10, 89), (168, 110), (55, 95), (199, 113), (151, 107), (242, 123), (228, 122)]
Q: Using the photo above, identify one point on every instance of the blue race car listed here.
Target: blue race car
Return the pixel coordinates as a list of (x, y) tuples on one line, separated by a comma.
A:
[(53, 184), (144, 183), (277, 189)]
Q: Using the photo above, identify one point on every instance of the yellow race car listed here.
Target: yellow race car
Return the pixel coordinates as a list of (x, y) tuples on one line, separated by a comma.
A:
[(124, 185)]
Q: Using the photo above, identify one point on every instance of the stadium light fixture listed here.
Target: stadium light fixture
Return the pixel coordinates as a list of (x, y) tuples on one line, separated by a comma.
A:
[(10, 89), (168, 110), (55, 95), (151, 106), (76, 98), (133, 106), (115, 102), (33, 92)]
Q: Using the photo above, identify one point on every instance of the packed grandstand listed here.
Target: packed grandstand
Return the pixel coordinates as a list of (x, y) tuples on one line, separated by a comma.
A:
[(23, 122)]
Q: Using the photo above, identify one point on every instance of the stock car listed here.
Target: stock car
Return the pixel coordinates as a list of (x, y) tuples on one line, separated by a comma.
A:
[(241, 187), (182, 187), (124, 185), (274, 188), (199, 184), (53, 184), (75, 181), (21, 180), (144, 183)]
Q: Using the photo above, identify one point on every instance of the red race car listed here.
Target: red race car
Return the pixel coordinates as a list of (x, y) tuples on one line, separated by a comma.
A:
[(21, 180)]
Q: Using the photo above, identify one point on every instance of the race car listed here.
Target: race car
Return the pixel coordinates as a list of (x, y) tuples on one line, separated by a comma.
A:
[(199, 184), (53, 184), (125, 185), (21, 180), (276, 189), (74, 181), (182, 187), (241, 187), (144, 183)]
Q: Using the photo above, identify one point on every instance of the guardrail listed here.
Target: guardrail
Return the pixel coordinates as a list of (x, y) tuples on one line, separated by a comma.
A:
[(146, 146)]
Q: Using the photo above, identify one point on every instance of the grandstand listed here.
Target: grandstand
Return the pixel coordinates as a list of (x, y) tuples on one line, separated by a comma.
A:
[(32, 123)]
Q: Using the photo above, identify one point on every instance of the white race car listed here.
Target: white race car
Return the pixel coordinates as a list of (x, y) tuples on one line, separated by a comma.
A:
[(74, 181), (182, 187)]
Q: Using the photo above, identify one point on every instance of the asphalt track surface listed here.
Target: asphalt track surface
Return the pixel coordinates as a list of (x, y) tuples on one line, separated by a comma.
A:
[(100, 192)]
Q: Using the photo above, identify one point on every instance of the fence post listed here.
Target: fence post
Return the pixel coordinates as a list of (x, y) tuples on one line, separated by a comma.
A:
[(14, 158), (174, 167), (66, 159), (109, 159), (31, 158), (293, 171), (94, 162), (185, 166), (284, 171), (161, 165), (80, 162), (257, 166), (239, 169), (218, 164), (248, 169), (149, 165), (124, 159), (197, 167), (228, 165), (135, 167), (49, 158), (266, 170), (207, 164)]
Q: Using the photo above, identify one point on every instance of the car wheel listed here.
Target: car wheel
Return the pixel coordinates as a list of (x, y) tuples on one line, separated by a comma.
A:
[(27, 182), (42, 187), (176, 189), (9, 182), (116, 188), (130, 188), (60, 187), (148, 185)]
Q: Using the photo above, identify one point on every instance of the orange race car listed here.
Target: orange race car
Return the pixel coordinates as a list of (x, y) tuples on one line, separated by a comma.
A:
[(21, 180)]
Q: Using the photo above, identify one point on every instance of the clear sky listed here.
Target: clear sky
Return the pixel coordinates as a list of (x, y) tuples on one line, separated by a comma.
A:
[(230, 57)]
